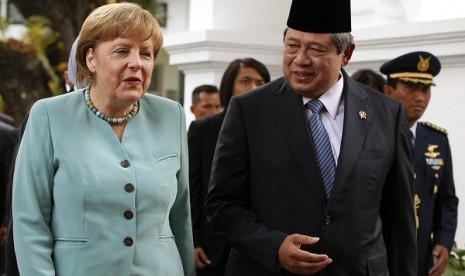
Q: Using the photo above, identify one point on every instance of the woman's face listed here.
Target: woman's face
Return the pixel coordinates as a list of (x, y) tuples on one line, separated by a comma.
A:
[(247, 79), (123, 68)]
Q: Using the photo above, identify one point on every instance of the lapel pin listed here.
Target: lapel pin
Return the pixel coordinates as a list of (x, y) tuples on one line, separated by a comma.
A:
[(362, 114)]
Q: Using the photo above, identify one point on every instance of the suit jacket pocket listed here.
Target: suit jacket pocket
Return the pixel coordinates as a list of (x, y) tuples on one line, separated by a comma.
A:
[(167, 158), (71, 242), (377, 264), (166, 238)]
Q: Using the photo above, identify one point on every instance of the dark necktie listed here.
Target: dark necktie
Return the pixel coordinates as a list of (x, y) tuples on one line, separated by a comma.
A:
[(322, 145), (412, 143)]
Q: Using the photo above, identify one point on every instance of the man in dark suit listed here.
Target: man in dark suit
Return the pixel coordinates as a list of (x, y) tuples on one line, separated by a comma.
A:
[(410, 78), (8, 139), (291, 201)]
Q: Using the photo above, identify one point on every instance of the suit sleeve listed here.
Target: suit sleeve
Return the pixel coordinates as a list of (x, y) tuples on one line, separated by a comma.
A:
[(195, 138), (397, 209), (445, 212), (228, 202), (32, 198)]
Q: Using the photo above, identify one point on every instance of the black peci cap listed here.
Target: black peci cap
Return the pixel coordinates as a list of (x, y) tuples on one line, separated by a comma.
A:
[(416, 67), (320, 16)]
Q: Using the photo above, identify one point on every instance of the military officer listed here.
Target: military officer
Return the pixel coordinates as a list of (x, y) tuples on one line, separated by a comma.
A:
[(409, 79)]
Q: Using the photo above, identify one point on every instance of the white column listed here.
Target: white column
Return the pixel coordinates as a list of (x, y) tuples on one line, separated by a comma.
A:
[(389, 12), (204, 55), (363, 13), (194, 78)]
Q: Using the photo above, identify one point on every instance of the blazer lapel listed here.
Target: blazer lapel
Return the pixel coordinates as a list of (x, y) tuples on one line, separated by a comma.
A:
[(287, 111), (354, 133)]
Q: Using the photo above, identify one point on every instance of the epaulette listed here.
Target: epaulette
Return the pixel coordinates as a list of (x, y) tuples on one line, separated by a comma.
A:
[(434, 127)]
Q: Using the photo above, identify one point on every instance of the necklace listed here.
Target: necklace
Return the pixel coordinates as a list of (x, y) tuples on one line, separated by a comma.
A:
[(111, 120)]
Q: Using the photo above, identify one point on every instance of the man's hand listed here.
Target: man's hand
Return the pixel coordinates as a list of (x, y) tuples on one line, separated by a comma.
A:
[(201, 259), (298, 261), (3, 232), (442, 255)]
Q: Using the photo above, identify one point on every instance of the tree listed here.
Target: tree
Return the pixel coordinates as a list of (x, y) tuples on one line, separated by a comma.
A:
[(31, 68), (24, 79), (66, 16)]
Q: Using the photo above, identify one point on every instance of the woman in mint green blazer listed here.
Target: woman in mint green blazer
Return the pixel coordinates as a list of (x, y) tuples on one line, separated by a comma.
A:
[(101, 179)]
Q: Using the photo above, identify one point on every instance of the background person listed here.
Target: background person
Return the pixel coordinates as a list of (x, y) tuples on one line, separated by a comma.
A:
[(104, 169), (285, 205), (8, 139), (410, 77), (211, 251), (370, 78), (205, 101), (4, 118)]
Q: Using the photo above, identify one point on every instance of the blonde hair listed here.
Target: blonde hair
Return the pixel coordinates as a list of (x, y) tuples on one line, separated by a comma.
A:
[(111, 21)]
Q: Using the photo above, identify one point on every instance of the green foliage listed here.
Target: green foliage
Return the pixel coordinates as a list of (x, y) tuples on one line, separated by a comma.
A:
[(456, 266), (39, 33), (149, 5), (41, 36), (2, 104), (4, 23)]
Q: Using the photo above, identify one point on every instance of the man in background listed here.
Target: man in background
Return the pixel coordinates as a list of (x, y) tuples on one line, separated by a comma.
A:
[(205, 101), (409, 79)]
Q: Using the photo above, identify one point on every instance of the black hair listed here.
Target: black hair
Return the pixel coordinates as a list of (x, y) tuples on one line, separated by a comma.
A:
[(207, 88), (370, 78), (231, 72)]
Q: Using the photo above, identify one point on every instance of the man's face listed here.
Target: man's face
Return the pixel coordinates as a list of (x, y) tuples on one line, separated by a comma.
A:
[(311, 63), (208, 105), (415, 98)]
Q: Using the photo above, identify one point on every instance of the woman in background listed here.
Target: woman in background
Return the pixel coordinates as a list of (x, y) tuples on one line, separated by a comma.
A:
[(101, 180), (241, 76)]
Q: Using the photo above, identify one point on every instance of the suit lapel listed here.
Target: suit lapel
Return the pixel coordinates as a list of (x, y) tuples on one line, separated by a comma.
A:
[(288, 113), (354, 133)]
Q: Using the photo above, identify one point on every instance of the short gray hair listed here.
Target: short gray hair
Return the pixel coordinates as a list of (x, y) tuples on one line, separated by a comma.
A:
[(342, 40)]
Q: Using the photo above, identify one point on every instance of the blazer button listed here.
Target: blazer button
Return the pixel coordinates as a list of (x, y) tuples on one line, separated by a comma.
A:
[(327, 220), (124, 163), (128, 215), (128, 241), (129, 187)]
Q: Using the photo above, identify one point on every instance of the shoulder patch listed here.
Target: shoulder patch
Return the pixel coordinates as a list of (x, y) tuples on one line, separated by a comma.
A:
[(434, 127)]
